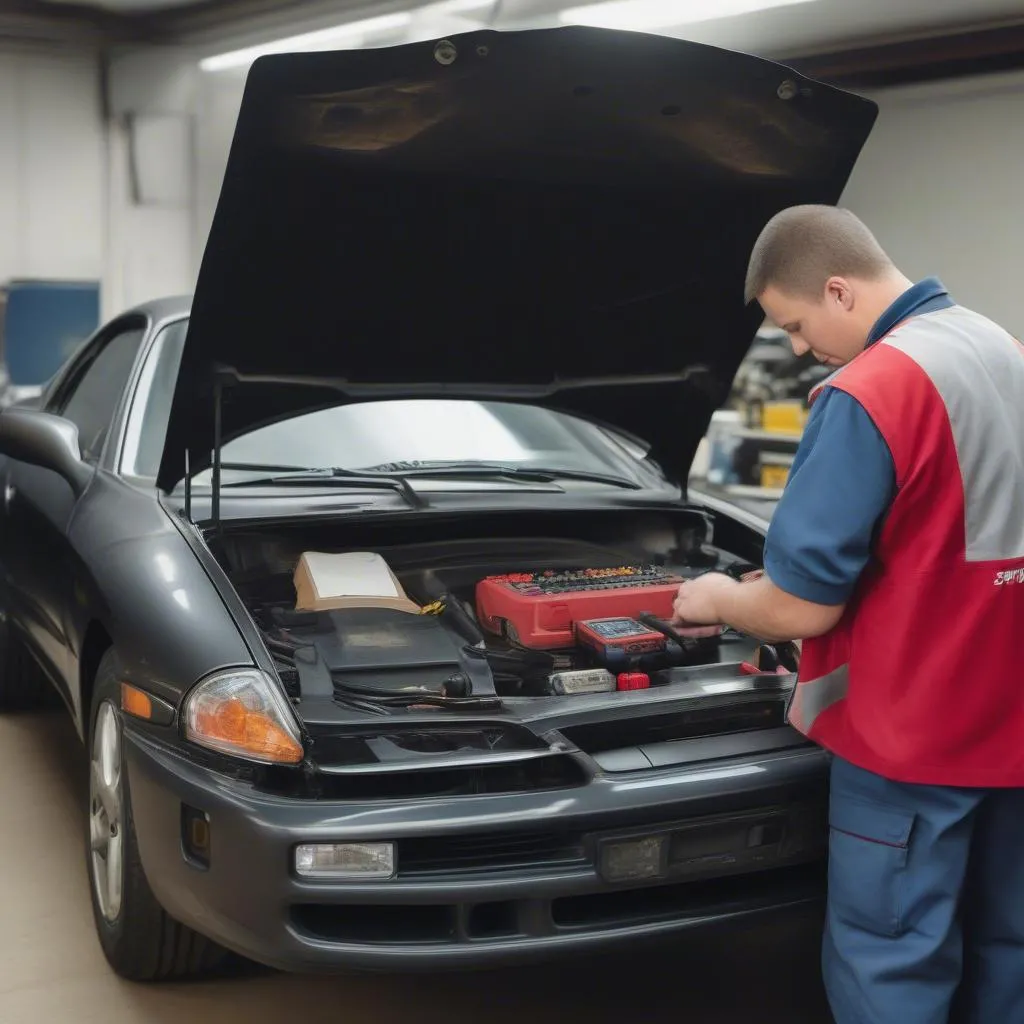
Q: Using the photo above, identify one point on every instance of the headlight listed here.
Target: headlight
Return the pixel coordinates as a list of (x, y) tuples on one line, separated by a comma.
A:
[(240, 712)]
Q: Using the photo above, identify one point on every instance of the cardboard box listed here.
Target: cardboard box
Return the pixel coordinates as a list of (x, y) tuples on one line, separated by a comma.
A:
[(352, 579)]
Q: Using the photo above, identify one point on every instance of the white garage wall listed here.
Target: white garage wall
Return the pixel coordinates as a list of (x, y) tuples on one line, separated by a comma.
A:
[(219, 99), (151, 245), (940, 184), (52, 197), (68, 209), (151, 177)]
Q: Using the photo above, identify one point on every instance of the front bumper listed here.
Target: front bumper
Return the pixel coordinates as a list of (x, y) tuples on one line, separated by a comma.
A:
[(481, 880)]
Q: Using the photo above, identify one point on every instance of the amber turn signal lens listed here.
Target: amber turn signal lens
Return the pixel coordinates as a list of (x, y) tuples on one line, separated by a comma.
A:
[(235, 725), (243, 713), (135, 703)]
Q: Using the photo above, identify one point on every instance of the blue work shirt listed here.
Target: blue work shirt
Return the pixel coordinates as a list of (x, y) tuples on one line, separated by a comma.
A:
[(841, 483)]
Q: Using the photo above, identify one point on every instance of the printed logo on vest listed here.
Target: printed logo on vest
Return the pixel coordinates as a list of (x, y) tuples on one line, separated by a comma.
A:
[(1009, 576)]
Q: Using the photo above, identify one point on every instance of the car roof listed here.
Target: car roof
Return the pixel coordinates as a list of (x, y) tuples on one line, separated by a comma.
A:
[(167, 308)]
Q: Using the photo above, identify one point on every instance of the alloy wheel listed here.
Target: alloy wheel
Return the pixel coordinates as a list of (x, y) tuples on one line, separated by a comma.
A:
[(106, 812)]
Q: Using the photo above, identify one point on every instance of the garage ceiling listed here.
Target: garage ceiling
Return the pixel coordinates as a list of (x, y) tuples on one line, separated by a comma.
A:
[(127, 6), (791, 31)]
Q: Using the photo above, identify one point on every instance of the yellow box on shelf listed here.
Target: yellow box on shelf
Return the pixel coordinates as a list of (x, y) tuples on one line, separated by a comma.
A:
[(774, 477), (784, 417), (774, 469)]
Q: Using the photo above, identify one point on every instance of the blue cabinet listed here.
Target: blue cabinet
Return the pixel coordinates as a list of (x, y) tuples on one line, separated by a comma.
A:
[(43, 323)]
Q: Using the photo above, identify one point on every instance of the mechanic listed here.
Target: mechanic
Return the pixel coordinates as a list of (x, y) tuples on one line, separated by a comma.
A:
[(897, 553)]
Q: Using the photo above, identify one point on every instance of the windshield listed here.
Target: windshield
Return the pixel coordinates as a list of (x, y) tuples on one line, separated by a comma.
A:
[(388, 436)]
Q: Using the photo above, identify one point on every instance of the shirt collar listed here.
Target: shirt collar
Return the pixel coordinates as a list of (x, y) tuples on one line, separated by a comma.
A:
[(923, 297)]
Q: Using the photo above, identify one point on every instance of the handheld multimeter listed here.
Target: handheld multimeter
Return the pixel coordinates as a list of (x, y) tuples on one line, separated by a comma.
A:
[(619, 639)]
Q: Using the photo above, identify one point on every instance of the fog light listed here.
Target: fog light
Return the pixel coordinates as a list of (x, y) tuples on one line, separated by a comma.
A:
[(345, 860), (633, 859)]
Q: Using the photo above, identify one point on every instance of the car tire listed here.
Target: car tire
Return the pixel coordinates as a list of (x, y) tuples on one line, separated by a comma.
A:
[(23, 687), (140, 940)]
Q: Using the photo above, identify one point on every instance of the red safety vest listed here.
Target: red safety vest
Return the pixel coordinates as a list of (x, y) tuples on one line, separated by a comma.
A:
[(922, 680)]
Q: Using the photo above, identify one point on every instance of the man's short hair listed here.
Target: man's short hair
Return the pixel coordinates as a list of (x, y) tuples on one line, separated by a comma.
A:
[(800, 248)]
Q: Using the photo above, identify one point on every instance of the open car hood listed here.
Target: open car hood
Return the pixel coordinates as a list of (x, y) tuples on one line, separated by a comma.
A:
[(557, 216)]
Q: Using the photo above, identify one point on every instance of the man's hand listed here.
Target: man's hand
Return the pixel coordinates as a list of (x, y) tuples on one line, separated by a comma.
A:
[(758, 608), (697, 602)]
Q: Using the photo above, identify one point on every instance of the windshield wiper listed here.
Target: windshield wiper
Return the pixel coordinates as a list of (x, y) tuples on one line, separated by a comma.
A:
[(286, 476), (489, 470)]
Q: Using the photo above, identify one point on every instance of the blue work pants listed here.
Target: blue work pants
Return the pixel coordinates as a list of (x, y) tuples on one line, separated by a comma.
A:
[(926, 887)]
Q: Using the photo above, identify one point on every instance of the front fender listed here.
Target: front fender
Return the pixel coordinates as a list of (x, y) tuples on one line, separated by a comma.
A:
[(135, 574)]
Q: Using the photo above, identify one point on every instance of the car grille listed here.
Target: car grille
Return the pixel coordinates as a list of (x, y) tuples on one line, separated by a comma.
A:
[(436, 855), (464, 923)]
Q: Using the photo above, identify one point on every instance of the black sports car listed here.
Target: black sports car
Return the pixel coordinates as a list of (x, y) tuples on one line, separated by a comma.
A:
[(354, 571)]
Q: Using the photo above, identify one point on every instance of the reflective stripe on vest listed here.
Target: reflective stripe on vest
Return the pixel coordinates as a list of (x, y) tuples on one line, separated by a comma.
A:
[(814, 696)]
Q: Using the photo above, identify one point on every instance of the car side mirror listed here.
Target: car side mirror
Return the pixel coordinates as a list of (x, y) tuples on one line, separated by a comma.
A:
[(42, 439)]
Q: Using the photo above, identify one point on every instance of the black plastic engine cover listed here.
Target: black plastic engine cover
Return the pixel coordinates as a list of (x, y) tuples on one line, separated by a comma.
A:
[(379, 650)]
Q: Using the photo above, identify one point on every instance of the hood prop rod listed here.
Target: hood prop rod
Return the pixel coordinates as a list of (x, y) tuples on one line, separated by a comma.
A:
[(222, 376), (188, 485)]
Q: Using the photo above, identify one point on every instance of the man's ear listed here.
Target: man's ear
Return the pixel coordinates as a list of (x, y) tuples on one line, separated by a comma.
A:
[(838, 292)]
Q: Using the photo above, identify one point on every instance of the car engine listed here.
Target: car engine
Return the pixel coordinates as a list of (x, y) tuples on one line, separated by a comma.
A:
[(552, 618)]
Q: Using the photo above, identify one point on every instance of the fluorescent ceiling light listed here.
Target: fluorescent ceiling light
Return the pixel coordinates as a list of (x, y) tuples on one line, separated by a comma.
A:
[(640, 15), (456, 6), (324, 39), (352, 33)]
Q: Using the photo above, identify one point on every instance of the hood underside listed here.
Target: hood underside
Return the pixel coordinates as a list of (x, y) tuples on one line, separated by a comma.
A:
[(557, 216)]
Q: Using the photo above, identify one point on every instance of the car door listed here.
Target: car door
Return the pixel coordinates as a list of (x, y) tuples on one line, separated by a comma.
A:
[(37, 504)]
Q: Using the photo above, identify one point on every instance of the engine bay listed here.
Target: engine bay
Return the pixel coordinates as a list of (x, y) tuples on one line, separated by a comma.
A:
[(491, 618)]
